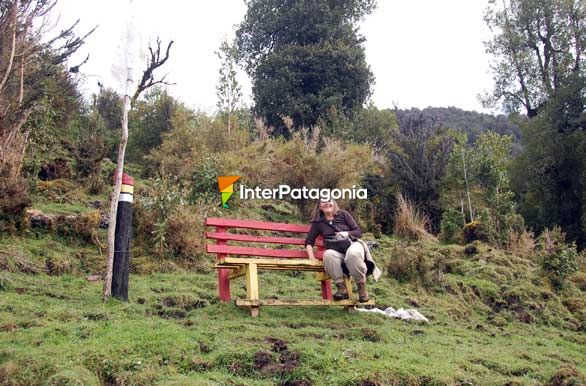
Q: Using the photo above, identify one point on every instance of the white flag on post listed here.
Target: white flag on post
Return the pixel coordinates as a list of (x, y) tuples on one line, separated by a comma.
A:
[(131, 55)]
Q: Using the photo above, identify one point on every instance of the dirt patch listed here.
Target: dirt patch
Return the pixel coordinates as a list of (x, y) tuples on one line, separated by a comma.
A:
[(567, 376), (279, 361), (185, 302), (297, 382), (96, 316), (8, 327), (370, 335)]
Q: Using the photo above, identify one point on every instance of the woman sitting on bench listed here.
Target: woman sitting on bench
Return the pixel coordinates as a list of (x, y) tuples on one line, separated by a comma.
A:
[(345, 252)]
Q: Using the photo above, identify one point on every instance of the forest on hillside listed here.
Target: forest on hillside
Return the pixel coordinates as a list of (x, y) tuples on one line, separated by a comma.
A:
[(310, 88)]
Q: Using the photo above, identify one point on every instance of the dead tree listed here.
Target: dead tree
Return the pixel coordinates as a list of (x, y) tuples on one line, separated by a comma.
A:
[(156, 60)]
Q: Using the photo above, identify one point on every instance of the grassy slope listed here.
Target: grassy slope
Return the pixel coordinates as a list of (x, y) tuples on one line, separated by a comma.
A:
[(55, 329), (494, 319)]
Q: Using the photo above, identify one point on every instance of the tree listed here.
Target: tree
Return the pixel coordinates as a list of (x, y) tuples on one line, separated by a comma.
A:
[(477, 184), (37, 94), (305, 59), (374, 127), (537, 47), (155, 60), (418, 162), (150, 118), (28, 61), (228, 90), (539, 51)]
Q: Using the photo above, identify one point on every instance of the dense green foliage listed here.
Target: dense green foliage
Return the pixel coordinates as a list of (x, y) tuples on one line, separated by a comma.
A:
[(537, 49), (540, 66), (305, 59)]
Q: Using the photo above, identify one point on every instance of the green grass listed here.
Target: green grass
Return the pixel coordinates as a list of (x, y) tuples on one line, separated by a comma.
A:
[(174, 331), (63, 209), (495, 320)]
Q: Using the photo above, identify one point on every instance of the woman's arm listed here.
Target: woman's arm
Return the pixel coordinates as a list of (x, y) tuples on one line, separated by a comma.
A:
[(310, 240), (310, 251), (355, 230)]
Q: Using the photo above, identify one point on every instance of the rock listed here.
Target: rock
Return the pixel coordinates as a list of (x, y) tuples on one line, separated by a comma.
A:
[(104, 221), (93, 278)]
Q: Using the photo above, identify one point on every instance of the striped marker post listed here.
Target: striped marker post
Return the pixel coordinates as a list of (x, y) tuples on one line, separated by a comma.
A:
[(122, 239)]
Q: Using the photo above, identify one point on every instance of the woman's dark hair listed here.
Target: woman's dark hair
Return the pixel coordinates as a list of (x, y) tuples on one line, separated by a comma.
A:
[(316, 213)]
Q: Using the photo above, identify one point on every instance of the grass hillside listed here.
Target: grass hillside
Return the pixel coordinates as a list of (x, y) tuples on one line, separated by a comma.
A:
[(495, 320)]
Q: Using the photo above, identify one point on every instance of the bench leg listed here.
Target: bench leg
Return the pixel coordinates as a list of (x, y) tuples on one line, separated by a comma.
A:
[(326, 290), (348, 282), (224, 284), (252, 287)]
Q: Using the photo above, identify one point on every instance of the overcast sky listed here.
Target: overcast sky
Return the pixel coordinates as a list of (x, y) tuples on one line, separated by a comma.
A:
[(422, 52)]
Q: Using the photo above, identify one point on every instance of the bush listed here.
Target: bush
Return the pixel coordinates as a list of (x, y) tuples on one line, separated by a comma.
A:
[(559, 259), (474, 230), (14, 199), (410, 222), (410, 263), (185, 232), (451, 226), (521, 243), (204, 183)]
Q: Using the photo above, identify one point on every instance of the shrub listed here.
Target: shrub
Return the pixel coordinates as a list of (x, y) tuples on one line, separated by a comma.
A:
[(410, 263), (14, 199), (83, 226), (410, 222), (559, 259), (451, 226), (474, 230), (184, 232), (521, 243), (204, 183)]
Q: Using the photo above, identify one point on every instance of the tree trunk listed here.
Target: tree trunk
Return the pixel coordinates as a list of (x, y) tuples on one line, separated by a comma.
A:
[(114, 199)]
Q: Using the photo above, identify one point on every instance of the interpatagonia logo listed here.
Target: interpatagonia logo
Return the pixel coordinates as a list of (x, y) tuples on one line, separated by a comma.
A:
[(226, 184)]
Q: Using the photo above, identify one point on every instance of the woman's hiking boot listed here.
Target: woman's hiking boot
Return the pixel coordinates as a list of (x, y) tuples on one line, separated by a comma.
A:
[(362, 293), (342, 292)]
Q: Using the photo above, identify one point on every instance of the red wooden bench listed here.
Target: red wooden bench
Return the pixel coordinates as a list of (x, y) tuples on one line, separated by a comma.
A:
[(234, 261)]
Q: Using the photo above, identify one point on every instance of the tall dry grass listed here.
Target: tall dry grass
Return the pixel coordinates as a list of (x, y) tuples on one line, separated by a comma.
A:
[(410, 222)]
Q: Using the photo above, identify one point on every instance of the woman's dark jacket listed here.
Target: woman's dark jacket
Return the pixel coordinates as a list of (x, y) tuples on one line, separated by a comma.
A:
[(342, 221)]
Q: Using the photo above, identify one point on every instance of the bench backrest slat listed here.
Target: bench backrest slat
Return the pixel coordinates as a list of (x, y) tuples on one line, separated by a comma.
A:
[(223, 236), (258, 239), (263, 252), (260, 225)]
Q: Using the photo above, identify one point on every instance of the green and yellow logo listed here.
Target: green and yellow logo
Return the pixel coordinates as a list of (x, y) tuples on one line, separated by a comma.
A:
[(226, 184)]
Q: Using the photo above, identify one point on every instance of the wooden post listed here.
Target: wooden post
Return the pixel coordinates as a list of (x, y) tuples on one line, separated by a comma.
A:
[(107, 292), (123, 235), (348, 283), (223, 273), (252, 287)]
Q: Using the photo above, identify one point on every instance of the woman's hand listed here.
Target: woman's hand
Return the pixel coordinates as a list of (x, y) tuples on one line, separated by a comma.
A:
[(344, 233), (310, 252)]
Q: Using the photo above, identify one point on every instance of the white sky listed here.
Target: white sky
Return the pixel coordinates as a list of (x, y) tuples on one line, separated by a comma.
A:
[(422, 52)]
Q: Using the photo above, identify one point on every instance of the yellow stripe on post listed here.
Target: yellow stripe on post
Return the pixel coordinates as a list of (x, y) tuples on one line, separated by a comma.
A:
[(127, 189)]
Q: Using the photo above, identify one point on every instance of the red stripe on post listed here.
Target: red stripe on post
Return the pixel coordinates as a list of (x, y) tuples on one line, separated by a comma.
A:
[(126, 179)]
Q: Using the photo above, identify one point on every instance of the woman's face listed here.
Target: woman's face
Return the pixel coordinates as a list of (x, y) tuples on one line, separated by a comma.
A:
[(326, 206)]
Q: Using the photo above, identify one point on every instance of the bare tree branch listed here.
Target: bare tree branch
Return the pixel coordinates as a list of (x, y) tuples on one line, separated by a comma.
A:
[(155, 61)]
